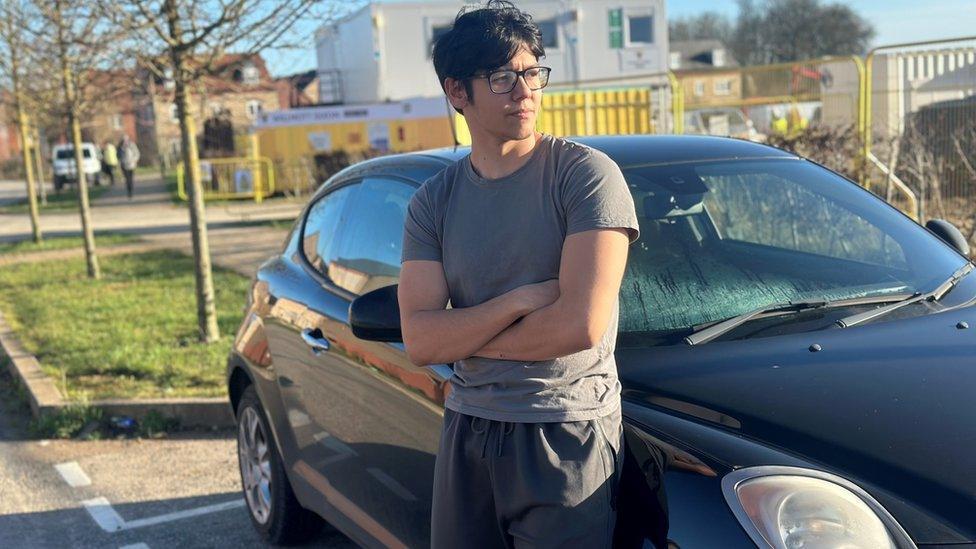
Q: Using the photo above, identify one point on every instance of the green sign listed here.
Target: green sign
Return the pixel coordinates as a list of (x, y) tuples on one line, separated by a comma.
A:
[(616, 28)]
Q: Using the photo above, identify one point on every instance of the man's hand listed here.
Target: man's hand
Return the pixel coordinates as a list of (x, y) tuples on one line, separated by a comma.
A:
[(434, 335), (538, 295), (590, 272)]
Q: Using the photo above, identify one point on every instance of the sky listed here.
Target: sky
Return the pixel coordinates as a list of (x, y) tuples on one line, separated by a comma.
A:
[(895, 21)]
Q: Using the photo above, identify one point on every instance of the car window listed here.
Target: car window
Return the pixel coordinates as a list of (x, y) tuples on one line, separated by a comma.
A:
[(369, 250), (725, 237), (319, 235), (764, 208), (66, 154)]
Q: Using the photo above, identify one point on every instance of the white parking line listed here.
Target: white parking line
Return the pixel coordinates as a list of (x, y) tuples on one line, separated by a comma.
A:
[(72, 474), (391, 483), (179, 515), (107, 519), (135, 546), (104, 516)]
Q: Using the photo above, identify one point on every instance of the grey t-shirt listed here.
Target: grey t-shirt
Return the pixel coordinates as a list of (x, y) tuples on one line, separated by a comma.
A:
[(494, 235)]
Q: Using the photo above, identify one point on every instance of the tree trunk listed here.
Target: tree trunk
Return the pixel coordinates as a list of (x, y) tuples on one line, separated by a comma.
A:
[(206, 307), (67, 82), (35, 214), (86, 227), (39, 167)]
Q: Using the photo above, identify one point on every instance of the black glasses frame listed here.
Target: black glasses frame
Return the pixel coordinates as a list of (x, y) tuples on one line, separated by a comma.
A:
[(518, 74)]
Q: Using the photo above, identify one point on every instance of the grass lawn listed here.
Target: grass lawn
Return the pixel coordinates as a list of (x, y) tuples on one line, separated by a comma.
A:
[(63, 242), (131, 334), (66, 200)]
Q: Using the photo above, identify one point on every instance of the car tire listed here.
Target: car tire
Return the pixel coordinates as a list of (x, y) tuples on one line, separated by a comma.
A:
[(271, 503), (58, 183)]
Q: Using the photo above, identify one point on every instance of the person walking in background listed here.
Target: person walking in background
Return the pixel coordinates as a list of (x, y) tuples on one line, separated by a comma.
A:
[(128, 158), (110, 160)]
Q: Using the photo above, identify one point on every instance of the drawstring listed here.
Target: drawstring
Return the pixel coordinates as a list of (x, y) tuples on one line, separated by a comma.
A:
[(483, 427), (507, 429)]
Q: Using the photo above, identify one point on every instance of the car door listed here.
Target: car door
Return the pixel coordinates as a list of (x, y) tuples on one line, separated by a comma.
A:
[(374, 419)]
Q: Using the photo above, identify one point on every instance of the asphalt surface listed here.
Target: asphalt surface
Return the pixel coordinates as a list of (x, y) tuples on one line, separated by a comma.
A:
[(180, 491)]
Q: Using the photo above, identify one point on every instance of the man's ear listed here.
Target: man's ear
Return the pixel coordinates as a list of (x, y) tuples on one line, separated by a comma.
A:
[(456, 94)]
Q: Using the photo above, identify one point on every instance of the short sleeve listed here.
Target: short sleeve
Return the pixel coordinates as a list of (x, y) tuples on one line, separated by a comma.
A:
[(420, 240), (596, 196)]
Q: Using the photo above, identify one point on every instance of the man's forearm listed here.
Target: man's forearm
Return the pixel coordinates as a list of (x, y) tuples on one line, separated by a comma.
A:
[(547, 333), (448, 335)]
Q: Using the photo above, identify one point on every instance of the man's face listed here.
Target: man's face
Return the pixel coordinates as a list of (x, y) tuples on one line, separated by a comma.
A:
[(509, 116)]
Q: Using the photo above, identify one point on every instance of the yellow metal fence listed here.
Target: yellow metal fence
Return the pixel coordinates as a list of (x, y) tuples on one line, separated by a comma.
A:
[(230, 178)]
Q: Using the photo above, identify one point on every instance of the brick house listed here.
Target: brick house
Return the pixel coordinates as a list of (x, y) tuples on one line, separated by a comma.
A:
[(238, 91)]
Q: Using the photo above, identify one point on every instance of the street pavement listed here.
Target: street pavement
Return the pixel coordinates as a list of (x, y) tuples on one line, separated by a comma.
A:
[(150, 211), (179, 491)]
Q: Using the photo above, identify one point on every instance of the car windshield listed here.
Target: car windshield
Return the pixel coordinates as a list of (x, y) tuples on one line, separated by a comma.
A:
[(66, 154), (722, 238)]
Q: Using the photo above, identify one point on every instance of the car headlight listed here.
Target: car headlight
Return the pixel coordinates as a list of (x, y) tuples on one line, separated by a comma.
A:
[(790, 508)]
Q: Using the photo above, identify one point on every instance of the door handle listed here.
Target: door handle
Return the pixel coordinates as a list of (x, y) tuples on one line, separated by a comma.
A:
[(315, 340)]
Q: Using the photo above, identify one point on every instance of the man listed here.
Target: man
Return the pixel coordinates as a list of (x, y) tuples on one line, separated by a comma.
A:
[(527, 238), (110, 160), (129, 159)]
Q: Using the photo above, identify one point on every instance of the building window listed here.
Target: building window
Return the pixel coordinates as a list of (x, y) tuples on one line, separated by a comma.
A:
[(174, 113), (723, 87), (253, 108), (718, 58), (250, 75), (640, 29), (550, 33), (699, 88), (675, 60), (436, 31), (115, 121)]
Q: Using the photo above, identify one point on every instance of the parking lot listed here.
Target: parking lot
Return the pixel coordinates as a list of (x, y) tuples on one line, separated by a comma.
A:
[(180, 491)]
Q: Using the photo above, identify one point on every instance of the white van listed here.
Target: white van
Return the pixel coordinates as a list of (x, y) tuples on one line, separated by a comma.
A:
[(63, 159)]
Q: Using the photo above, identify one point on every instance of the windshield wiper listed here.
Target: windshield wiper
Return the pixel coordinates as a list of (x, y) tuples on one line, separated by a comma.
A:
[(715, 330), (709, 333), (934, 295)]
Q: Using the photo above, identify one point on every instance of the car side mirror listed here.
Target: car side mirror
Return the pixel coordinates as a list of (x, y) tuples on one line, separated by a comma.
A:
[(949, 234), (375, 316)]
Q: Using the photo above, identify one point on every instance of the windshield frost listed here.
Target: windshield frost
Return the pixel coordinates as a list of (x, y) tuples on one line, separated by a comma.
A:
[(722, 238)]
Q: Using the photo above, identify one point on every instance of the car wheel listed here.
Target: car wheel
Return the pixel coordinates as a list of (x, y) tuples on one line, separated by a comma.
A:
[(271, 503), (58, 183)]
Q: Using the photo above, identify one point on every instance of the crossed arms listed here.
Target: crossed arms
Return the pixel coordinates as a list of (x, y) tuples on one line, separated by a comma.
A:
[(538, 321)]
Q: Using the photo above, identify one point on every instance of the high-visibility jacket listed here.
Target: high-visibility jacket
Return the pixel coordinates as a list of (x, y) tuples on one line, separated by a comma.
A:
[(109, 155)]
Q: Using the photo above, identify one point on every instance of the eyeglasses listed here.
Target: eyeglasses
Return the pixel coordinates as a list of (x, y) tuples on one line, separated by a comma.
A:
[(503, 81)]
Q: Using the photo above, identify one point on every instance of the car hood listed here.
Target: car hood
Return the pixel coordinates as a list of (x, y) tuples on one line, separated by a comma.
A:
[(892, 404)]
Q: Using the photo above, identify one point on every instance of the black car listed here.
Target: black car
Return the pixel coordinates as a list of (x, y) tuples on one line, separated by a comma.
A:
[(797, 361)]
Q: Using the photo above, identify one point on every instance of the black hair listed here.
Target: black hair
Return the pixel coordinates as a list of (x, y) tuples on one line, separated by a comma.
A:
[(484, 39)]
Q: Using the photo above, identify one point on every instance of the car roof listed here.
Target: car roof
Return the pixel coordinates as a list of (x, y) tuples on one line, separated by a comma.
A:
[(84, 144), (626, 150), (633, 150)]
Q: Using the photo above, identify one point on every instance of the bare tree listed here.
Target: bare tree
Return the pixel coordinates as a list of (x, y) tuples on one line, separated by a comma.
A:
[(78, 43), (188, 41), (13, 15), (776, 31)]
